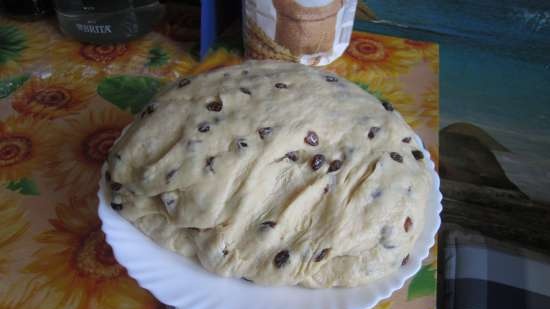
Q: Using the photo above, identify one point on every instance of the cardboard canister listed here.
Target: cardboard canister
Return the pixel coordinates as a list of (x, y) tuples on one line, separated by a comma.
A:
[(313, 32)]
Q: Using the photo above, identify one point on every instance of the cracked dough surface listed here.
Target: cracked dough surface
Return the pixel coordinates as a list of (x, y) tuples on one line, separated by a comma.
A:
[(274, 172)]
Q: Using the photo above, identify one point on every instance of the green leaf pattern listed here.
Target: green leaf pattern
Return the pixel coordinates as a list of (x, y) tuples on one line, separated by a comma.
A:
[(157, 57), (9, 85), (23, 186), (129, 92), (12, 42), (423, 283)]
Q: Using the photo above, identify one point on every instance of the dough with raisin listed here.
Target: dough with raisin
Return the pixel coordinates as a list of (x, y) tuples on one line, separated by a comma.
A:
[(274, 172)]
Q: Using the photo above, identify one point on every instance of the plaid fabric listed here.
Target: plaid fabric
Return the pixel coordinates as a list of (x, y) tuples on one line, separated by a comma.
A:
[(483, 273)]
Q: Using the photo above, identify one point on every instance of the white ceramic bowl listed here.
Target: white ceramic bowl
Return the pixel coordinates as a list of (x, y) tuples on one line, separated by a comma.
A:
[(181, 282)]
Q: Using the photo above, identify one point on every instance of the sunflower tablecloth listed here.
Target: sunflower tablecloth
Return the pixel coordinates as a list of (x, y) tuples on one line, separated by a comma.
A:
[(62, 104)]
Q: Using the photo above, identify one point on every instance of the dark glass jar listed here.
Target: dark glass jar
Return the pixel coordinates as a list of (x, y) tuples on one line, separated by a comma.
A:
[(107, 21)]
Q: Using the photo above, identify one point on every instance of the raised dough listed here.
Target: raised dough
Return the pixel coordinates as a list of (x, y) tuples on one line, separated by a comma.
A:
[(240, 204)]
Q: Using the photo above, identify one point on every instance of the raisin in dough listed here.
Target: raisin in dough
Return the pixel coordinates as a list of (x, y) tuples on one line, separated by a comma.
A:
[(274, 172)]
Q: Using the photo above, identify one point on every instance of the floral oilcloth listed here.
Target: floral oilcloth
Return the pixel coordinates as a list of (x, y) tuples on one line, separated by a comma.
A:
[(63, 103)]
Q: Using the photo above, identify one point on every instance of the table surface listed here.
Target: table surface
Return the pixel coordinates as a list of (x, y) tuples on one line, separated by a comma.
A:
[(63, 103)]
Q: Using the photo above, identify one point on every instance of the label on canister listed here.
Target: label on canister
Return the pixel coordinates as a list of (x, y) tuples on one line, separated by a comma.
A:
[(312, 32)]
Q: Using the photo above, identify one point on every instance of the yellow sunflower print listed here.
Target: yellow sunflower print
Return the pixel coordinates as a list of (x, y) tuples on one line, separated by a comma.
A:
[(12, 225), (375, 55), (432, 257), (110, 58), (429, 52), (80, 146), (167, 60), (75, 267), (21, 45), (7, 304), (426, 111), (389, 91), (22, 144), (57, 95), (428, 121), (430, 105), (217, 59), (421, 115), (385, 304)]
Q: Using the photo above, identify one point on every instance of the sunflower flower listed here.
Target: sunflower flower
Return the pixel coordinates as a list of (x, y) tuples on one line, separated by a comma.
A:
[(375, 55), (22, 144), (76, 268), (12, 225), (21, 45), (56, 95), (80, 146)]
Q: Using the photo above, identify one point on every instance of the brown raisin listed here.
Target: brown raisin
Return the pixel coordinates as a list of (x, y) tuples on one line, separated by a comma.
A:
[(334, 166), (204, 127), (311, 138), (245, 90), (326, 189), (184, 82), (210, 163), (396, 157), (116, 206), (331, 79), (408, 223), (292, 156), (376, 194), (241, 143), (322, 255), (270, 224), (265, 132), (317, 161), (115, 186), (387, 106), (417, 154), (406, 140), (215, 106), (170, 174), (372, 132), (281, 86), (405, 260), (281, 259), (225, 252)]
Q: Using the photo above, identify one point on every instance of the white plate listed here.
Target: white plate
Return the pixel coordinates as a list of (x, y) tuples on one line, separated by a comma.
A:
[(181, 282)]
